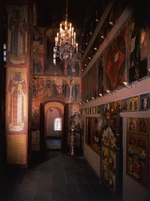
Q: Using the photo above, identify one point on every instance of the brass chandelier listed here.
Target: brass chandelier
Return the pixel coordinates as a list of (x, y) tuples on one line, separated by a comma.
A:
[(65, 41)]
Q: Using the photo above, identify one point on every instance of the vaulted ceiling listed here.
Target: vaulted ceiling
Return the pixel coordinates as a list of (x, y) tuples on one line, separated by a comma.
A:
[(52, 12)]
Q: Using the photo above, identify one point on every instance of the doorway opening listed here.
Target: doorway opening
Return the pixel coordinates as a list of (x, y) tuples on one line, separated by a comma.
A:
[(53, 128)]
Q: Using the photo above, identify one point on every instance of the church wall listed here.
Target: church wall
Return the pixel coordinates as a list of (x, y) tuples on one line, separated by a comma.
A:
[(17, 84), (128, 99)]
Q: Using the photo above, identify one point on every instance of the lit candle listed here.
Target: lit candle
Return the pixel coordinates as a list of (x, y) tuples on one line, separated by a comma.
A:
[(77, 47), (56, 41), (74, 38), (65, 25), (72, 30)]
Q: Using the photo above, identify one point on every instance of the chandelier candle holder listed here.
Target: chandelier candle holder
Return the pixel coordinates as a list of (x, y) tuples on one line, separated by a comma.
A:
[(65, 41)]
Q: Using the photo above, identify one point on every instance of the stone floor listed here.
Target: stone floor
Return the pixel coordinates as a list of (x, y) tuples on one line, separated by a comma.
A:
[(55, 176)]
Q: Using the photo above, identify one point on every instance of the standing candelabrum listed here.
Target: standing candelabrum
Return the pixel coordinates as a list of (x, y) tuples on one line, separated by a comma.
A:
[(72, 142)]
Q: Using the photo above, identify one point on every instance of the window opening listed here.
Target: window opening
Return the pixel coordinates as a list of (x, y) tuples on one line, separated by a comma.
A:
[(4, 52), (57, 124)]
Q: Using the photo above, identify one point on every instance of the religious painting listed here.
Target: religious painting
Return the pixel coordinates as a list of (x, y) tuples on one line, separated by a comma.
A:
[(105, 172), (36, 140), (142, 126), (112, 182), (102, 108), (105, 156), (66, 89), (109, 157), (132, 124), (145, 101), (115, 62), (38, 40), (98, 109), (17, 99), (49, 67), (138, 40), (125, 105), (138, 157), (93, 131), (112, 106), (133, 104), (74, 116), (93, 110), (73, 67), (17, 34), (105, 137), (37, 64), (112, 161), (107, 107), (35, 115), (114, 125), (117, 105)]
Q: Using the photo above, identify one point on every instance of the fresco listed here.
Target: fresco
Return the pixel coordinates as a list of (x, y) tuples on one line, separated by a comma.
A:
[(73, 67), (17, 34), (16, 149), (59, 88), (37, 64), (16, 96), (74, 116), (38, 41), (35, 115)]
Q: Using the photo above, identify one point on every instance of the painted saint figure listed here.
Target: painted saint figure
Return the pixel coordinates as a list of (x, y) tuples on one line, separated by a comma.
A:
[(138, 65), (18, 28), (17, 89)]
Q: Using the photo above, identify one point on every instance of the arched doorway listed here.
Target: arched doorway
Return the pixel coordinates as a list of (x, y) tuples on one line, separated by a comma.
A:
[(53, 125), (53, 128)]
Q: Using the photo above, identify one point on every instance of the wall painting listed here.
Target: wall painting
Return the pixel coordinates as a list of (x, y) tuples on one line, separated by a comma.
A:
[(138, 151), (115, 61), (66, 89), (137, 47), (17, 34), (93, 132), (17, 99), (134, 104), (38, 40), (145, 101), (109, 157), (37, 64)]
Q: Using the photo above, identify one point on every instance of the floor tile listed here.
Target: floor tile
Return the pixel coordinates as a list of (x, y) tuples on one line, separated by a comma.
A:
[(55, 176)]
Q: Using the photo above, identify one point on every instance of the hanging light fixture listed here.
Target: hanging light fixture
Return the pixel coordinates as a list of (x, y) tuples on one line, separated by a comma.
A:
[(65, 41)]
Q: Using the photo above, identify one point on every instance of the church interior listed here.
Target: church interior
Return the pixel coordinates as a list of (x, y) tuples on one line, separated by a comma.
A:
[(75, 89)]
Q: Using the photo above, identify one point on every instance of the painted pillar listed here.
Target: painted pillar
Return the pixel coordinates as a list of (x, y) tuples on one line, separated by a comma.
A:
[(17, 87)]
